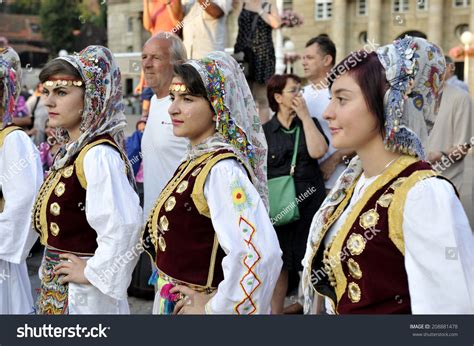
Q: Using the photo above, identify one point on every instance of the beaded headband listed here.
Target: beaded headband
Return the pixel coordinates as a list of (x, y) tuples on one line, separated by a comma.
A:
[(178, 87), (63, 82)]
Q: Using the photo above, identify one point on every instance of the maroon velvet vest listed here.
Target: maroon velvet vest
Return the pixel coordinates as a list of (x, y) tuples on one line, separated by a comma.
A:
[(373, 267), (179, 234), (59, 211)]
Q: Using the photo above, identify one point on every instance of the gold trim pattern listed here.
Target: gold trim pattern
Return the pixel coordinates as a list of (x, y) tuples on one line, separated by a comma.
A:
[(354, 292), (55, 209), (170, 203), (162, 243), (182, 187), (355, 244), (354, 269), (385, 200), (68, 171), (60, 189), (53, 226), (369, 219), (6, 131), (79, 162)]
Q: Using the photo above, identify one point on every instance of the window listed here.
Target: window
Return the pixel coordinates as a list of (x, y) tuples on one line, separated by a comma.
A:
[(422, 5), (460, 29), (363, 37), (287, 5), (323, 9), (461, 3), (130, 24), (400, 6), (361, 7)]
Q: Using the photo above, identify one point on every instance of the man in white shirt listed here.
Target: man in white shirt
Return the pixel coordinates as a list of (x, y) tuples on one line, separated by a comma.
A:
[(451, 77), (161, 150), (204, 26), (318, 59)]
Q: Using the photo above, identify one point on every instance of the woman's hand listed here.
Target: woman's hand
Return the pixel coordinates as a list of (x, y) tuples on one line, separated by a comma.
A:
[(73, 269), (193, 302), (300, 108)]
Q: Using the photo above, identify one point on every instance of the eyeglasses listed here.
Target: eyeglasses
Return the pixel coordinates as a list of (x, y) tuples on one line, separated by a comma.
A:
[(292, 91)]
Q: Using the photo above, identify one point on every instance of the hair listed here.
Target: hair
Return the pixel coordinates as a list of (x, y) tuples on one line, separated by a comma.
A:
[(275, 85), (58, 66), (326, 45), (192, 79), (369, 74), (448, 60), (177, 49)]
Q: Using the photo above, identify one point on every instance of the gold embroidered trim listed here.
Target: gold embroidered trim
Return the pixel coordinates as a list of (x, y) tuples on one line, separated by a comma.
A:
[(79, 162), (395, 212), (6, 131), (212, 264)]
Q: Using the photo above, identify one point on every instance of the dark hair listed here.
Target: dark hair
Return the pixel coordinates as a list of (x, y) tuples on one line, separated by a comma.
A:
[(326, 45), (192, 80), (369, 74), (58, 66), (275, 85)]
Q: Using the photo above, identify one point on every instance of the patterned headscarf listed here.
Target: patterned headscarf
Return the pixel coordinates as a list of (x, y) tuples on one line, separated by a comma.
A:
[(238, 125), (10, 79), (414, 69), (103, 104), (415, 72)]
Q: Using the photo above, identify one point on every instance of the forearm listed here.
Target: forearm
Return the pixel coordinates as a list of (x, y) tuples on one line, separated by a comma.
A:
[(211, 8), (272, 18), (315, 141), (175, 10)]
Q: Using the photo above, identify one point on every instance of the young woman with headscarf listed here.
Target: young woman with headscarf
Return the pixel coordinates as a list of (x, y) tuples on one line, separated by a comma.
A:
[(20, 180), (209, 233), (87, 212), (392, 235)]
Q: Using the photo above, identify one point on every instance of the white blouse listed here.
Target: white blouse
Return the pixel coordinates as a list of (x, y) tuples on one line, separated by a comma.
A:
[(439, 247), (253, 257)]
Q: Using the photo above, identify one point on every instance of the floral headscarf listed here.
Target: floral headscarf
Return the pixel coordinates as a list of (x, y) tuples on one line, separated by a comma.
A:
[(103, 104), (238, 125), (414, 69), (10, 79)]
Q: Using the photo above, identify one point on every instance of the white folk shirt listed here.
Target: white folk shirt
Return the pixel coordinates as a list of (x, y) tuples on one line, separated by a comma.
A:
[(21, 175), (162, 151)]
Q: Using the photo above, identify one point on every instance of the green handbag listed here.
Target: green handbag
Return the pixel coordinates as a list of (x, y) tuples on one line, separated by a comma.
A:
[(282, 194)]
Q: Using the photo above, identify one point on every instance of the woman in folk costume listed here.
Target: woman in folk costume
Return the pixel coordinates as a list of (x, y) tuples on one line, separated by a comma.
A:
[(87, 212), (209, 233), (391, 236), (20, 180)]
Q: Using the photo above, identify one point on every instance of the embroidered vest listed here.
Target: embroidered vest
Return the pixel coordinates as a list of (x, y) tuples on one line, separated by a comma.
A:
[(59, 212), (179, 235), (363, 269)]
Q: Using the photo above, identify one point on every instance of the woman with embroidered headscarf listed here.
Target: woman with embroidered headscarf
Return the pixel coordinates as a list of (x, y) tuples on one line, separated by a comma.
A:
[(209, 233), (20, 180), (391, 236), (87, 212)]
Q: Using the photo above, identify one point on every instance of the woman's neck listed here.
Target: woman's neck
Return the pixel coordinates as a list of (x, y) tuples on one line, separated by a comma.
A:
[(375, 158), (74, 134), (285, 117)]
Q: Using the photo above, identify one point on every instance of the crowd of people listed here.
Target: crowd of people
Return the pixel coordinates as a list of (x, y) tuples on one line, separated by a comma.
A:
[(371, 153)]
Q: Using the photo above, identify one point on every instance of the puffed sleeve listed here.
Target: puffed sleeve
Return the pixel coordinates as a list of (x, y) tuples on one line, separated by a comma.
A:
[(113, 210), (21, 176), (253, 257), (439, 250)]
